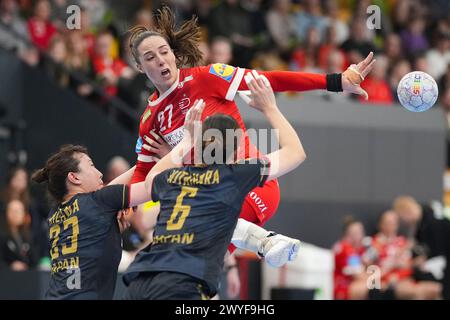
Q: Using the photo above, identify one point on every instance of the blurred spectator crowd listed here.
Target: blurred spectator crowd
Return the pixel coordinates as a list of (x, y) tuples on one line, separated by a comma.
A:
[(394, 264)]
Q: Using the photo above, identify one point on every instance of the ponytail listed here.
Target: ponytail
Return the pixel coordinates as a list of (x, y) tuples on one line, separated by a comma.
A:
[(40, 175)]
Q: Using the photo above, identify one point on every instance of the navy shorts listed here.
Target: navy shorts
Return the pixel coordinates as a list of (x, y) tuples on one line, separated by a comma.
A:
[(166, 286)]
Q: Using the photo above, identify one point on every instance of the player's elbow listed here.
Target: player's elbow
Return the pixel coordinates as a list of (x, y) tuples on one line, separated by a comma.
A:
[(299, 156), (302, 156)]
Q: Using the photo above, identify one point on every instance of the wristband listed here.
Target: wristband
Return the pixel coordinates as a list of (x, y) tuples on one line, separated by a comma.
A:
[(334, 82)]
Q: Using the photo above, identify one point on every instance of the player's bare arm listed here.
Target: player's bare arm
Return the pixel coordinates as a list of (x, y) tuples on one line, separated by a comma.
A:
[(291, 152)]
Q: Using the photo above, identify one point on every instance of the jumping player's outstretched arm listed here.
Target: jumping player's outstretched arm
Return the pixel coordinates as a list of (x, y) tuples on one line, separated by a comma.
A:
[(348, 81), (291, 152)]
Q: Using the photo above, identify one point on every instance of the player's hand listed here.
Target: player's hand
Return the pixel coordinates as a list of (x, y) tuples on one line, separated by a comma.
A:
[(122, 220), (355, 74), (194, 119), (156, 144), (262, 97)]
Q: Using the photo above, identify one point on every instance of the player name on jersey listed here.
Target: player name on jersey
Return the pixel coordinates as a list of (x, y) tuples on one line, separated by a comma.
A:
[(63, 214), (185, 178)]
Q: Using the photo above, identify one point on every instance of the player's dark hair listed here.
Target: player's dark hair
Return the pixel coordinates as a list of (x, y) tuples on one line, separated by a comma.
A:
[(57, 168), (183, 40), (222, 122)]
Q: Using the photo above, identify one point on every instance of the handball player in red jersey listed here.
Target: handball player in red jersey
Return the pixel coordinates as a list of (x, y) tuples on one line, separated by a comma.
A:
[(163, 54)]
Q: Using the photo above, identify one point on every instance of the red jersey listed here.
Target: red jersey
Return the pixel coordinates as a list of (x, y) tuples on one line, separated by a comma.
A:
[(347, 263), (41, 32), (217, 85)]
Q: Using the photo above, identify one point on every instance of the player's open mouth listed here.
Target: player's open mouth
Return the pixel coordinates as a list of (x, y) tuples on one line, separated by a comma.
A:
[(165, 73)]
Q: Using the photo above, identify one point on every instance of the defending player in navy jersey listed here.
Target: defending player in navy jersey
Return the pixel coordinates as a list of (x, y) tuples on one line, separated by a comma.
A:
[(88, 263), (84, 232), (200, 204)]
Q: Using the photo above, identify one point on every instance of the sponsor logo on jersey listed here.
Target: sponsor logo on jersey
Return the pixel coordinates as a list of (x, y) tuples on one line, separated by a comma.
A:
[(139, 144), (174, 137), (258, 201), (184, 104), (146, 115), (223, 71)]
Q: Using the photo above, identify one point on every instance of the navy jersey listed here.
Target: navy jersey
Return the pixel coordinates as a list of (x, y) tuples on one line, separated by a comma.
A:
[(200, 206), (86, 244)]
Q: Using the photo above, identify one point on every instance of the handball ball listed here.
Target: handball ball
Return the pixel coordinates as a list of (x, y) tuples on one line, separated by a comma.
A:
[(417, 91)]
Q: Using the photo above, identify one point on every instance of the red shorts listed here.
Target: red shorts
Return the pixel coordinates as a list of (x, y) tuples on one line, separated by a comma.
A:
[(260, 205)]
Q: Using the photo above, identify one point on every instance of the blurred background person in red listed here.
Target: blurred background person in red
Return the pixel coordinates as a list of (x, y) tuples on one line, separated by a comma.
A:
[(40, 27), (107, 69), (349, 273)]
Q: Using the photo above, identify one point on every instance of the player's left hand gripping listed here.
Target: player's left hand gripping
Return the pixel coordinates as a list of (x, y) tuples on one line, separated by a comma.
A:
[(355, 74), (156, 145)]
